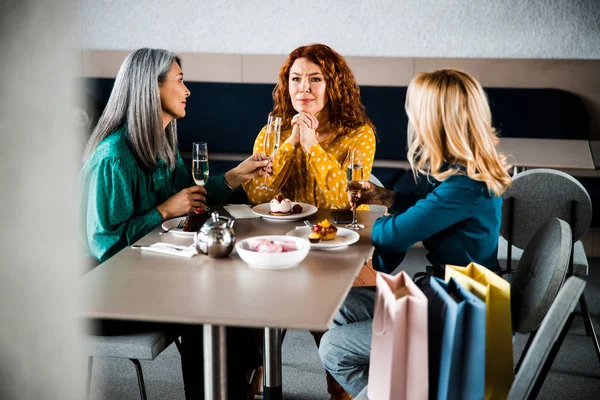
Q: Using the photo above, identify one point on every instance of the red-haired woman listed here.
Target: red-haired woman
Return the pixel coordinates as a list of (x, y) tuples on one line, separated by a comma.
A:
[(322, 121)]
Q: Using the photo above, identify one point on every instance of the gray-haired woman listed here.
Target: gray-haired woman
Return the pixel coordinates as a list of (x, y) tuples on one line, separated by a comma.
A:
[(133, 178)]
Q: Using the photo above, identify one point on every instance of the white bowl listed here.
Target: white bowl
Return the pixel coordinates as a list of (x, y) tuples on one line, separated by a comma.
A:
[(273, 260)]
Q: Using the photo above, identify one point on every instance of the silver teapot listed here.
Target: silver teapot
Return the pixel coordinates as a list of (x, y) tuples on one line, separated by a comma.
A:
[(216, 238)]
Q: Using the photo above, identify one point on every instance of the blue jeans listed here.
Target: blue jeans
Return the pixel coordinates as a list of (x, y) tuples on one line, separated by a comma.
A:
[(346, 347)]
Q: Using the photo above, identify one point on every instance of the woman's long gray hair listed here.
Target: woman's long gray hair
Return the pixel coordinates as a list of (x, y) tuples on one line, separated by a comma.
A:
[(135, 100)]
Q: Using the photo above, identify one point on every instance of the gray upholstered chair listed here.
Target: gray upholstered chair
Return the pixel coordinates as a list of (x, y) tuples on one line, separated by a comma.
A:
[(135, 346), (535, 197), (375, 207), (551, 333), (538, 277), (544, 348)]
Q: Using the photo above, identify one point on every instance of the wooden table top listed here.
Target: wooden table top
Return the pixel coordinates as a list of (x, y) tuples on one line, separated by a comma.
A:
[(145, 286)]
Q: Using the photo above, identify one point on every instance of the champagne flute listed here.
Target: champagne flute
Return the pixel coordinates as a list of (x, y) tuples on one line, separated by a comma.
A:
[(355, 179), (272, 136), (200, 164)]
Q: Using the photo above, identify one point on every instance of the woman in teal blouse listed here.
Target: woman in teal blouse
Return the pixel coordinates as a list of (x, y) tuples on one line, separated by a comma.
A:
[(452, 144), (133, 178)]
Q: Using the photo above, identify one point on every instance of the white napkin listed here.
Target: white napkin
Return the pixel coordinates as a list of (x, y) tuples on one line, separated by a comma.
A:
[(172, 249), (240, 211)]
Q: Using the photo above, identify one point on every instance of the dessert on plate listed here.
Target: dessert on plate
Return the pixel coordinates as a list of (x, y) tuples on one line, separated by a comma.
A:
[(325, 230), (194, 222), (280, 206), (314, 237)]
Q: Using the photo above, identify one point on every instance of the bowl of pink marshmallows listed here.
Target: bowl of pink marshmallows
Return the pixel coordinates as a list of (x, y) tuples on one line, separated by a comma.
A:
[(273, 251)]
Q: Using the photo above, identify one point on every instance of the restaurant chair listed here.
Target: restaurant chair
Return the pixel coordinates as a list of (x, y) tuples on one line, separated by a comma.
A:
[(544, 347), (536, 196), (538, 278), (375, 207), (135, 346)]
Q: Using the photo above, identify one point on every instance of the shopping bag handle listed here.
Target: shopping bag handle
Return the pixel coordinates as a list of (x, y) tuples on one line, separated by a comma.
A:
[(379, 304)]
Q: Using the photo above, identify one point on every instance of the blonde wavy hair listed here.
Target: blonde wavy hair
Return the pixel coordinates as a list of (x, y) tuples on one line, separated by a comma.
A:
[(449, 120)]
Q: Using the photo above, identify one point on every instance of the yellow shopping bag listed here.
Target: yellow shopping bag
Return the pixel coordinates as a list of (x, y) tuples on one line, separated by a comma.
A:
[(495, 291)]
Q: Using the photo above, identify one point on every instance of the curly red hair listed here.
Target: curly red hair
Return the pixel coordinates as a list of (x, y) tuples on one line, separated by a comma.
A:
[(342, 91)]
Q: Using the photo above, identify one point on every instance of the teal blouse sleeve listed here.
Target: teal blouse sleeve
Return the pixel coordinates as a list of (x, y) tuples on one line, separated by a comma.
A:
[(393, 235), (112, 222), (216, 190)]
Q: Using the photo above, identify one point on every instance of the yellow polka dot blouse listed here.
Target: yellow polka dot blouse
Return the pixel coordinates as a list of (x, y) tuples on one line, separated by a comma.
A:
[(317, 176)]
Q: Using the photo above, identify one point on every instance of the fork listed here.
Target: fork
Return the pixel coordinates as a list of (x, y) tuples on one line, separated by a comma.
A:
[(179, 226), (308, 223)]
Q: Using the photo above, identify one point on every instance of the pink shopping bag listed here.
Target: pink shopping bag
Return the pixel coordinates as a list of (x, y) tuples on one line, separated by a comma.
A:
[(399, 359)]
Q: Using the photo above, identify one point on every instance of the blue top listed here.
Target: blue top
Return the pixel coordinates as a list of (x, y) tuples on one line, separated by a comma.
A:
[(458, 222), (118, 199)]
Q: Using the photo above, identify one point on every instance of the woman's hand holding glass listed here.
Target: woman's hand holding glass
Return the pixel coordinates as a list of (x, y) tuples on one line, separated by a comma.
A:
[(370, 193), (254, 166), (184, 202)]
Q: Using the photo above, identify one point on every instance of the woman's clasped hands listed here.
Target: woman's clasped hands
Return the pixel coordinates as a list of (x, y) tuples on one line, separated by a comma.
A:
[(304, 130)]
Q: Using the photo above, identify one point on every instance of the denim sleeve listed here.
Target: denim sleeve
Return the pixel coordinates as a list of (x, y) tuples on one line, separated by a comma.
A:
[(216, 191)]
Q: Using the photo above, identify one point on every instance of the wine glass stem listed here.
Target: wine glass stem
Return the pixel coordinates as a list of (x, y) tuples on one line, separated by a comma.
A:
[(354, 221)]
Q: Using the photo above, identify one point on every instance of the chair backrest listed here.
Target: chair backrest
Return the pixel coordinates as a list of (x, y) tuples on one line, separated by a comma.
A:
[(373, 179), (548, 339), (540, 274), (375, 207), (538, 195)]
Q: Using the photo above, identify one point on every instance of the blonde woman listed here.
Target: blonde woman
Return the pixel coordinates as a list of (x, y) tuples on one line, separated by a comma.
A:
[(452, 143)]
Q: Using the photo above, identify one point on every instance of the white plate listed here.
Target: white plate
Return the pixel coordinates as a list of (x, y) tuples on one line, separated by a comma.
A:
[(172, 223), (344, 237), (262, 210)]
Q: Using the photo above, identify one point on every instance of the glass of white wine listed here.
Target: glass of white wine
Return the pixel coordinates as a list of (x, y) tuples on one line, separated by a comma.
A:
[(355, 179), (200, 163), (272, 137)]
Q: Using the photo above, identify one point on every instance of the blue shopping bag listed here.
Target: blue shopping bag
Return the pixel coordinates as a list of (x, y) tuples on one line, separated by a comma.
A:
[(456, 341)]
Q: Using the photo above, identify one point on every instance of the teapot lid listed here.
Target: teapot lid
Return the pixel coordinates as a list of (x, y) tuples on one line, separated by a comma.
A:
[(215, 221)]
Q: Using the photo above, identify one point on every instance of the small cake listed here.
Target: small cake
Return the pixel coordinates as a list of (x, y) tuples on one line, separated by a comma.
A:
[(194, 222), (325, 229), (314, 237), (280, 206)]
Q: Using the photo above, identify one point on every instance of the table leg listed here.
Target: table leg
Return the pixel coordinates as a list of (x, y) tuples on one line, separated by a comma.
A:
[(272, 361), (215, 363)]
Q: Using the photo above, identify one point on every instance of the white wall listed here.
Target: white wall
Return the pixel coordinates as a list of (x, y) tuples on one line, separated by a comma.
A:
[(40, 260), (391, 28)]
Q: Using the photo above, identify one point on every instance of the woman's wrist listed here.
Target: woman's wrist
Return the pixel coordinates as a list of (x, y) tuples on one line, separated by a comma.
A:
[(162, 210), (389, 198), (309, 144), (293, 142), (232, 179)]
